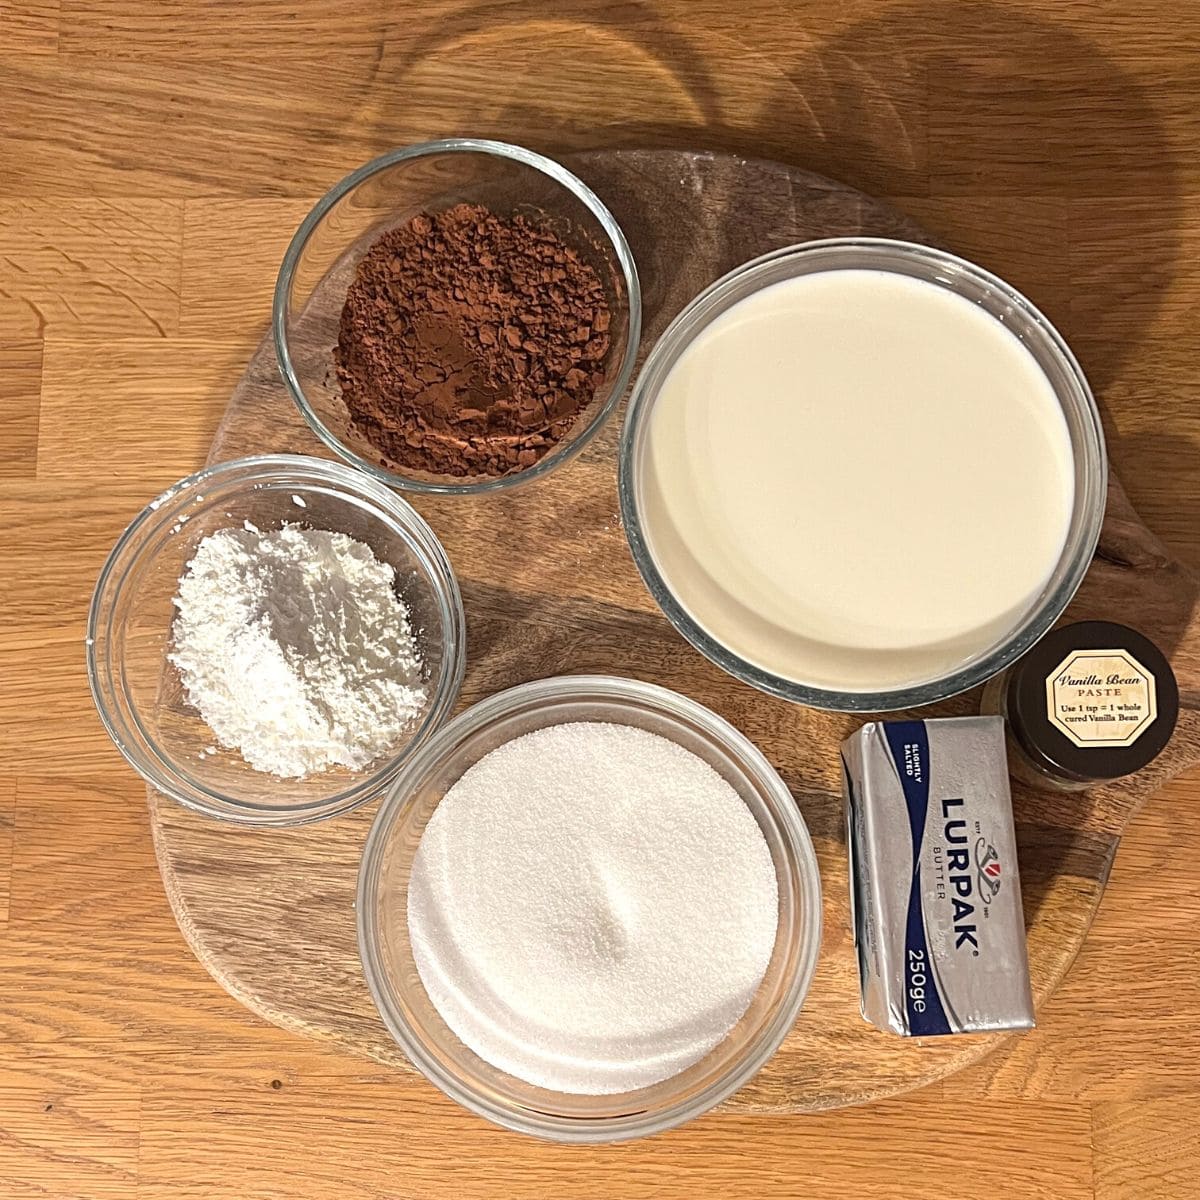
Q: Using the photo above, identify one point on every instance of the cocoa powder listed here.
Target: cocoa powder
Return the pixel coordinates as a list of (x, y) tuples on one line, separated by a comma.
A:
[(470, 343)]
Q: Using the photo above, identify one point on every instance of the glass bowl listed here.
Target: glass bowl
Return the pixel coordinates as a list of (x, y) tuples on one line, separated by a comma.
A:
[(383, 920), (320, 264), (138, 691), (965, 279)]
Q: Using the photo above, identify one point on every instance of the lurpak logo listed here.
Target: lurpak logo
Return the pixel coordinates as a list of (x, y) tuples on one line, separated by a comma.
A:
[(961, 875), (987, 863)]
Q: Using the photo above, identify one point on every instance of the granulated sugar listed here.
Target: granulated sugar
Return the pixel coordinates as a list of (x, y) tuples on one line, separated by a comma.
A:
[(295, 648), (592, 908)]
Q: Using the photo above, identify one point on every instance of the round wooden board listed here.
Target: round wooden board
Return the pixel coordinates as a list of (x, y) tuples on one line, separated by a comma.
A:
[(550, 588)]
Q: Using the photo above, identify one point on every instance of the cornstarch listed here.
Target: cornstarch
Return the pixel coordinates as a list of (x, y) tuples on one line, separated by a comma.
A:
[(592, 908), (295, 648)]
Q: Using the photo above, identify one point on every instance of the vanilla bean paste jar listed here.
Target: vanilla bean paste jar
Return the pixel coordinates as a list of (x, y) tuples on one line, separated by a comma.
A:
[(1090, 703)]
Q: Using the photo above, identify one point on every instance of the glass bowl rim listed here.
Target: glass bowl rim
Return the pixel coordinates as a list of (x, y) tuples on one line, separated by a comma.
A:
[(791, 830), (679, 334), (147, 758), (530, 158)]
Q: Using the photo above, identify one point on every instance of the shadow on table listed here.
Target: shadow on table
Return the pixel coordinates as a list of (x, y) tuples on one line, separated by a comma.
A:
[(1013, 138)]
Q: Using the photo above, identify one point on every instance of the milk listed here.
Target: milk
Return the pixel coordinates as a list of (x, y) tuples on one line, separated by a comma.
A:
[(856, 480)]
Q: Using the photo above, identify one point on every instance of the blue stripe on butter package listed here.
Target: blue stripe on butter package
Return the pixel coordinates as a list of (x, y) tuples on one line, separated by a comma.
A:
[(934, 891)]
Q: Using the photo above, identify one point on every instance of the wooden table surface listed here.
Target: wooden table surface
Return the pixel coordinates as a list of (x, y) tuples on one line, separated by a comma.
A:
[(155, 156)]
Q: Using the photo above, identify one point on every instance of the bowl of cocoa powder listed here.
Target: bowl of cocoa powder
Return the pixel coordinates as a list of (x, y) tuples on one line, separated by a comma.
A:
[(458, 316)]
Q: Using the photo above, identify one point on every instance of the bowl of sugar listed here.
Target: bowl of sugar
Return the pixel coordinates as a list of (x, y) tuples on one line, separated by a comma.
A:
[(589, 909), (271, 638), (862, 474)]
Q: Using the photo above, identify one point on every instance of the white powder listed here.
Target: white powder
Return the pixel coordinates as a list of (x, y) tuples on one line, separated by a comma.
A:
[(592, 908), (295, 648)]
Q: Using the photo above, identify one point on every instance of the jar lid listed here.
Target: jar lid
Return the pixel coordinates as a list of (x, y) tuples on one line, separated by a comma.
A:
[(1092, 701)]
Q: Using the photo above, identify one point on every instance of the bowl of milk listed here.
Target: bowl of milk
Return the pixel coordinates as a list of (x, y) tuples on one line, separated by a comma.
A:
[(862, 474)]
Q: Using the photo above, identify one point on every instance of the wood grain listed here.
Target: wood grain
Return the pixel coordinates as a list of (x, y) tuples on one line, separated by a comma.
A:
[(29, 27), (20, 402), (228, 110), (143, 384), (8, 814), (71, 264), (231, 254), (718, 1156), (1145, 1151), (90, 1135)]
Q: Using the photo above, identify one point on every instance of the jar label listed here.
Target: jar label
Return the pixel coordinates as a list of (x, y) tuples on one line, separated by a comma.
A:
[(1101, 698)]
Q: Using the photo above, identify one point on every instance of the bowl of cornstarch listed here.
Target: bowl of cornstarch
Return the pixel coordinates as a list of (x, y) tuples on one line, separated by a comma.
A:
[(589, 909), (272, 638)]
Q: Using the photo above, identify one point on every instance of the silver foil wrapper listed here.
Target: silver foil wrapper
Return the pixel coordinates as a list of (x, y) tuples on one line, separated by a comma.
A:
[(935, 894)]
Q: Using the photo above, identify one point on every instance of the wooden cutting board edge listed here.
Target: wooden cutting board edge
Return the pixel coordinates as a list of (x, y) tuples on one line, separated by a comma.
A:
[(617, 175)]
